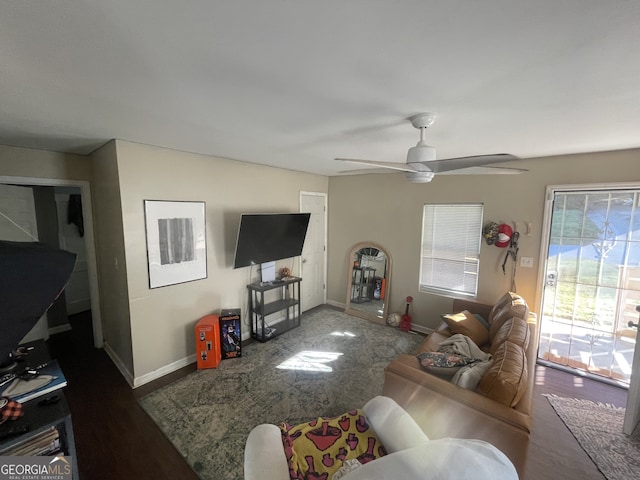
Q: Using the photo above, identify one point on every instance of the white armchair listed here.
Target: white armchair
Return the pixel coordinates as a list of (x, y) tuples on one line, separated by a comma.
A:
[(411, 455)]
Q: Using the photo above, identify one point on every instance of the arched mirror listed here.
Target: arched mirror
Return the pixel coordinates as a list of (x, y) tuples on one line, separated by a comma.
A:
[(368, 281)]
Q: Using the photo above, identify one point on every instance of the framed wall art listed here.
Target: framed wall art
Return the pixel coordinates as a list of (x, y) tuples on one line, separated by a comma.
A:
[(176, 242)]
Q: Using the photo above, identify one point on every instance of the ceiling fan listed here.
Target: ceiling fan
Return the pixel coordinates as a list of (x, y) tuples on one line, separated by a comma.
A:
[(422, 165)]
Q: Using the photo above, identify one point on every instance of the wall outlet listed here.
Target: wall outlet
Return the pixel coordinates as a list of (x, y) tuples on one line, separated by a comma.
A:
[(526, 262)]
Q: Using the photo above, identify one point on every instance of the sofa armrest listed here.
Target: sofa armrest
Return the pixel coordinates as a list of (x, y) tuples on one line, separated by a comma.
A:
[(408, 367), (264, 457), (395, 427), (443, 409), (444, 458)]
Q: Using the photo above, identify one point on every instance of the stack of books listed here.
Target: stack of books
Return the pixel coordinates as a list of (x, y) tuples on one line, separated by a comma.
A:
[(46, 444)]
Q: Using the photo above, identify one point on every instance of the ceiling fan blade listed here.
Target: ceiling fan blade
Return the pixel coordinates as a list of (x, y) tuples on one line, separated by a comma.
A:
[(449, 164), (403, 167), (485, 171), (364, 171)]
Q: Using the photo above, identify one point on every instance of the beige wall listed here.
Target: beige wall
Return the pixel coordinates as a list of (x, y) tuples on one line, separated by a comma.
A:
[(110, 253), (387, 209), (25, 162), (163, 319)]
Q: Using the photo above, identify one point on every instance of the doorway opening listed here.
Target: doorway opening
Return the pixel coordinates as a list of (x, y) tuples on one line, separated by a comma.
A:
[(85, 297), (592, 280)]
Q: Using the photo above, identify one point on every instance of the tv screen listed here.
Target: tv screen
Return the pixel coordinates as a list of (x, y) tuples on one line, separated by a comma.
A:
[(270, 236)]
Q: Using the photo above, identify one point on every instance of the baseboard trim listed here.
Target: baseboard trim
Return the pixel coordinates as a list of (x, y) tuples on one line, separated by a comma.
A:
[(119, 364), (421, 329), (333, 303), (161, 372), (135, 382)]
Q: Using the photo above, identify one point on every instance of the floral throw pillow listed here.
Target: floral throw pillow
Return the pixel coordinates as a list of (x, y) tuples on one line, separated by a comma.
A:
[(442, 363)]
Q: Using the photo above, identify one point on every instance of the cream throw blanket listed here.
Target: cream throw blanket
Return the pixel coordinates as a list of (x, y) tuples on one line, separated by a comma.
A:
[(464, 346)]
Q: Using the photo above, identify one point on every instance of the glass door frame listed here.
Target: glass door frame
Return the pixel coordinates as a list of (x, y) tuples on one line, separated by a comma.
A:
[(551, 190)]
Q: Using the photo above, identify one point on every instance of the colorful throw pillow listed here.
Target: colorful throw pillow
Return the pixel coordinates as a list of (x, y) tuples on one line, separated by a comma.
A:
[(442, 363), (467, 324), (318, 449)]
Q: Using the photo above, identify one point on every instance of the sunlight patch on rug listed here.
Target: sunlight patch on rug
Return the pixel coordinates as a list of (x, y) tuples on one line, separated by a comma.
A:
[(310, 361), (598, 429)]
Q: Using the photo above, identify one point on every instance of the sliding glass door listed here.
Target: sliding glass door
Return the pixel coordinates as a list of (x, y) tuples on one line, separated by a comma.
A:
[(592, 280)]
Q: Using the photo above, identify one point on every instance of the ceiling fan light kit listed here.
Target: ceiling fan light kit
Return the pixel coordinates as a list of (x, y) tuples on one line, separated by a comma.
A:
[(420, 177), (422, 165)]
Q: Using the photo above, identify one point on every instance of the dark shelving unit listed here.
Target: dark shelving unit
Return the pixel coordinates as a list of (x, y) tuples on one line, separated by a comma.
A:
[(272, 298), (39, 418)]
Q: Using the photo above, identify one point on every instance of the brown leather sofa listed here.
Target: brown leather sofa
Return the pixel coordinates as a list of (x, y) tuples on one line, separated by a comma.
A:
[(499, 409)]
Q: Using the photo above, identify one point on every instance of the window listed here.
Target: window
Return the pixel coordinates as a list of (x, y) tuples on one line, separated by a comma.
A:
[(450, 256)]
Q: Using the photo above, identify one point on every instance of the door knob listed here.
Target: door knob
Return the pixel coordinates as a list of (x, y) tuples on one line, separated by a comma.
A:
[(631, 324), (551, 279)]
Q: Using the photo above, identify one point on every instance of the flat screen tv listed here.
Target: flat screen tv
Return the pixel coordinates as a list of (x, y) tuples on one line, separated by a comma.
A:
[(266, 237)]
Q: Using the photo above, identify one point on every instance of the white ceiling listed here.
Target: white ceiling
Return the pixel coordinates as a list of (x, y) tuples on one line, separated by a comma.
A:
[(295, 83)]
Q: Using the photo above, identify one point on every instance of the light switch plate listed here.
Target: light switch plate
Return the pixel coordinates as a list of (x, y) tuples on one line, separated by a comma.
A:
[(526, 262)]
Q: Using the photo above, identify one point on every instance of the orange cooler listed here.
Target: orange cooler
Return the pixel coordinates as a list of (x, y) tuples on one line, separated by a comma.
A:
[(208, 353)]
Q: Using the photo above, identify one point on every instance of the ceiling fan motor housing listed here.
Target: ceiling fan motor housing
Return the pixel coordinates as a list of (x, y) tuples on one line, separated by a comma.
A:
[(416, 158), (421, 153)]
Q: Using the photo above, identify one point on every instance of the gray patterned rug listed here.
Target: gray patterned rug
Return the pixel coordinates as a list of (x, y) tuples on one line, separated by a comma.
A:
[(331, 363), (598, 429)]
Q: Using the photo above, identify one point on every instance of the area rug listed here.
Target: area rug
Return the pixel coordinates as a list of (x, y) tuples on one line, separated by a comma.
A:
[(598, 429), (332, 363)]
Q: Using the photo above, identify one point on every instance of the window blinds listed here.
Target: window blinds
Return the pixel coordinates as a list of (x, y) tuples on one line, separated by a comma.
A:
[(450, 257)]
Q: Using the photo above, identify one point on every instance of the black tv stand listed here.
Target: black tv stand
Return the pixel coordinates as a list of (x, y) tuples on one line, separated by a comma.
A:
[(283, 297)]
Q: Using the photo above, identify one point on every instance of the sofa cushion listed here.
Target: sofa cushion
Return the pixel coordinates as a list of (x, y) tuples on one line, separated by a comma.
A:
[(514, 329), (469, 376), (503, 301), (506, 380), (467, 324), (516, 308), (443, 364)]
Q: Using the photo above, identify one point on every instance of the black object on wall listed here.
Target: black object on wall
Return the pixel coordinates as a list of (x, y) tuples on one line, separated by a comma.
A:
[(74, 212)]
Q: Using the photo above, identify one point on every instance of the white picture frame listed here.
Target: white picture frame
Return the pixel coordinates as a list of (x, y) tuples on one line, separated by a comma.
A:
[(176, 242)]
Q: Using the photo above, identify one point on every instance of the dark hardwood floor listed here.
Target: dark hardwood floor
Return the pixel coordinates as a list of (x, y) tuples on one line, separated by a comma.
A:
[(115, 439), (553, 451)]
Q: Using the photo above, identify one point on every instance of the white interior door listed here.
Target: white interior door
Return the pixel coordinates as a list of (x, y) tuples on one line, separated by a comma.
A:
[(18, 224), (77, 293), (313, 269)]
